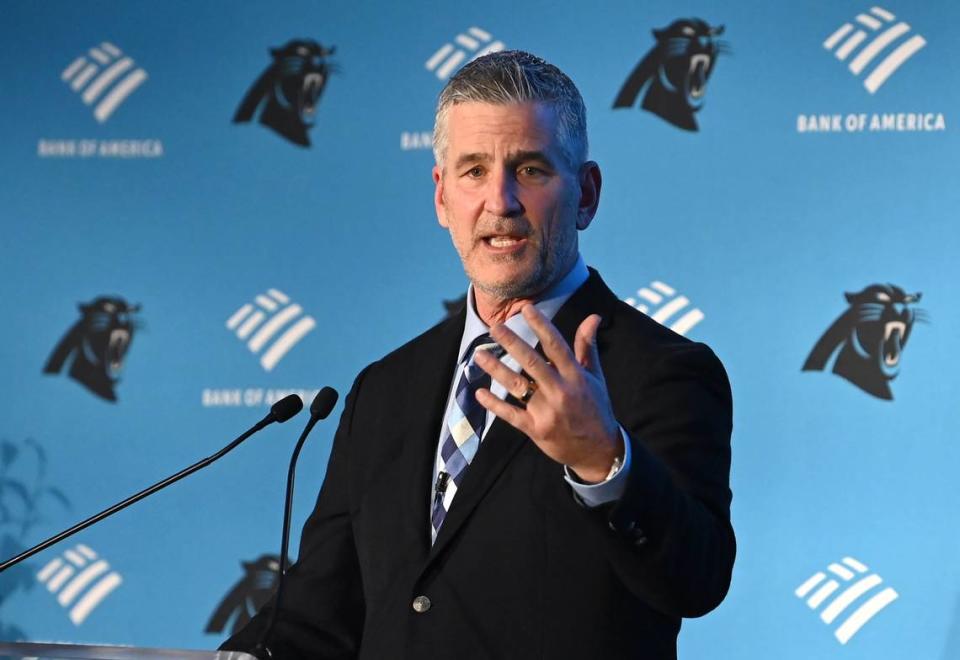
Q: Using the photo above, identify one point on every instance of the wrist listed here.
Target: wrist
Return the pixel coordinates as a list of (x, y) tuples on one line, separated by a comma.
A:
[(601, 468)]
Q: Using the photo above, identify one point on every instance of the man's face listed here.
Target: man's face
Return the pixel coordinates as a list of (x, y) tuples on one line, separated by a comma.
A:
[(509, 198)]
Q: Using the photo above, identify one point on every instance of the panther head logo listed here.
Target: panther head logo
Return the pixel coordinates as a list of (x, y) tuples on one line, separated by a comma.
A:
[(677, 69), (289, 89), (97, 344), (248, 595), (866, 342)]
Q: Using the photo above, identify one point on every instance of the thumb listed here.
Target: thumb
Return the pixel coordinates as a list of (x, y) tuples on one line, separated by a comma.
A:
[(585, 344)]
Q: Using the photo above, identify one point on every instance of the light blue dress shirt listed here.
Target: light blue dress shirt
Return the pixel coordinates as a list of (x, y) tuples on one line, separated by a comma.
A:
[(549, 303)]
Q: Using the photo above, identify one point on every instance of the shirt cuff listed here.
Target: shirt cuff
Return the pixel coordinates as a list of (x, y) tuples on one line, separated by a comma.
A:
[(606, 491)]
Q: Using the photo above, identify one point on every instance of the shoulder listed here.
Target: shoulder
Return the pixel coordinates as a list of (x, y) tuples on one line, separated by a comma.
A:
[(427, 345), (633, 338), (425, 349), (627, 320)]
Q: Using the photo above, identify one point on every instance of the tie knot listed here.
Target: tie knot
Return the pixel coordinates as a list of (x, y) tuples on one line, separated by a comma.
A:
[(482, 343)]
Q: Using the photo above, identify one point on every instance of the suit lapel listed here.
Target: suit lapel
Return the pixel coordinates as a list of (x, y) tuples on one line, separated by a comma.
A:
[(428, 386), (592, 298), (498, 447), (502, 440)]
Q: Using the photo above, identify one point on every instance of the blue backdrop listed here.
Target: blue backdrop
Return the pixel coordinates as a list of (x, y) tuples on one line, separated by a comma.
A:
[(261, 266)]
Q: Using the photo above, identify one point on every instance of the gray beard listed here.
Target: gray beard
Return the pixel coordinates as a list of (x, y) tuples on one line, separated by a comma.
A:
[(548, 272), (525, 288)]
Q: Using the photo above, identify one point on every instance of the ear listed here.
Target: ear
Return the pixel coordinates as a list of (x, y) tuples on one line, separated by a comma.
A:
[(438, 201), (590, 181), (850, 297)]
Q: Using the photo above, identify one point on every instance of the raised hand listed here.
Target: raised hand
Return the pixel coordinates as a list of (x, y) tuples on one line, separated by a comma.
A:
[(568, 413)]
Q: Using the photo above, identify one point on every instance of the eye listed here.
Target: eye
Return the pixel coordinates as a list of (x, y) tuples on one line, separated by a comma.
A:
[(474, 172), (533, 172), (689, 31), (882, 297)]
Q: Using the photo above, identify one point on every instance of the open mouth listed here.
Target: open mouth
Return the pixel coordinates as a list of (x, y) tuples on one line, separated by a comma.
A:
[(892, 345), (504, 241), (310, 92), (697, 76), (116, 349)]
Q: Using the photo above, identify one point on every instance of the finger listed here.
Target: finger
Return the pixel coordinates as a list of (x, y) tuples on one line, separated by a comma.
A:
[(514, 383), (554, 345), (528, 359), (585, 344), (515, 417)]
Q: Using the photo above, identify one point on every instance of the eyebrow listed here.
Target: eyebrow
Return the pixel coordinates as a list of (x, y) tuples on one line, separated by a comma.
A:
[(518, 157), (475, 157)]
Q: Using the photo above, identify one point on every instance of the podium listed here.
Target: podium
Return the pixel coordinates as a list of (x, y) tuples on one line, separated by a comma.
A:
[(31, 651)]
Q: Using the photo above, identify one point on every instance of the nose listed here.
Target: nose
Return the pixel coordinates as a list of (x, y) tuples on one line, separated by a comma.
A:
[(501, 195)]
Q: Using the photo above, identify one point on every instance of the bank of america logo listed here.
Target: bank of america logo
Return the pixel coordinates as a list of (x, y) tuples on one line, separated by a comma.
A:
[(885, 35), (105, 77), (661, 303), (852, 575), (474, 42), (271, 324), (80, 580)]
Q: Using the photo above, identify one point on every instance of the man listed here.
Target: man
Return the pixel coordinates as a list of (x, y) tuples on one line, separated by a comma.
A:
[(584, 508)]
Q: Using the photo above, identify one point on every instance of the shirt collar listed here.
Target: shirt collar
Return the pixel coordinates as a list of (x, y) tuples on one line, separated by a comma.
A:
[(548, 303)]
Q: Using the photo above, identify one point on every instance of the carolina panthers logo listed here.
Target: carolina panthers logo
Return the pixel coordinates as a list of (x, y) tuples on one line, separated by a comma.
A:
[(867, 341), (289, 89), (96, 345), (247, 596), (677, 70)]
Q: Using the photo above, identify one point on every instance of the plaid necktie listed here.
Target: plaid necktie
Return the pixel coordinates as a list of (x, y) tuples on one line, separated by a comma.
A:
[(463, 429)]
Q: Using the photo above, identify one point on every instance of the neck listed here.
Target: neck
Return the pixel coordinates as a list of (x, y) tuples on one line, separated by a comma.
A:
[(493, 311)]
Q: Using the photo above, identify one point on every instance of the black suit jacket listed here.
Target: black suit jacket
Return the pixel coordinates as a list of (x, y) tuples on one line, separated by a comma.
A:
[(520, 569)]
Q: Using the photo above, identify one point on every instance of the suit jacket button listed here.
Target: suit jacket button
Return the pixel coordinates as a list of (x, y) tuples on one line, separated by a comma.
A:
[(421, 604)]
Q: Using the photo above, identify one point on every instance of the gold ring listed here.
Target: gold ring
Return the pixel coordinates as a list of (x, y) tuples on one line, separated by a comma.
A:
[(529, 392)]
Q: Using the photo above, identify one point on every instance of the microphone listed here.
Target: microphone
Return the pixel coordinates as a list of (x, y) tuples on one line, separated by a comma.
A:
[(280, 411), (321, 406)]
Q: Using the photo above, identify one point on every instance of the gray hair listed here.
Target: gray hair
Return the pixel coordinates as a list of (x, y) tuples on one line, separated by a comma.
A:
[(514, 76)]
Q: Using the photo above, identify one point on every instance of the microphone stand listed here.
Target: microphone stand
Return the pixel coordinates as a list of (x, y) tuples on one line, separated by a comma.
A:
[(322, 404), (280, 411)]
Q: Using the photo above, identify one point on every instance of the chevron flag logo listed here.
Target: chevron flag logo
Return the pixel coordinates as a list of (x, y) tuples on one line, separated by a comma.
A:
[(885, 37), (474, 40), (80, 581), (661, 303), (264, 319), (105, 77), (859, 588)]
